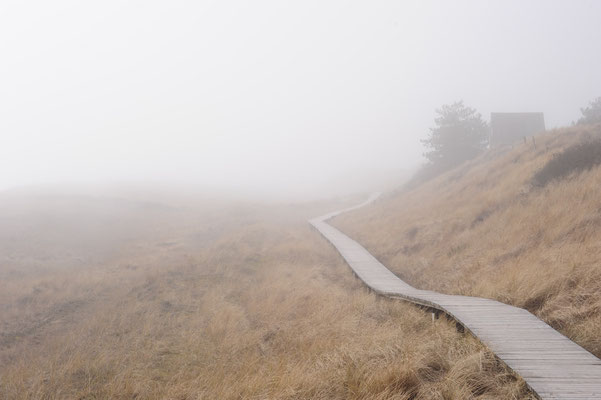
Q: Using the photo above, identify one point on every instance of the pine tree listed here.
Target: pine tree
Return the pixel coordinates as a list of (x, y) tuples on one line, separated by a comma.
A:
[(460, 134)]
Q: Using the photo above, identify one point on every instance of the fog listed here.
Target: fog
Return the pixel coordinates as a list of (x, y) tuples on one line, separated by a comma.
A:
[(279, 97)]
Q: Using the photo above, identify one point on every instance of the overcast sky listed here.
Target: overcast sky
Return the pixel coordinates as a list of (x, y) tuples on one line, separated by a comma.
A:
[(271, 93)]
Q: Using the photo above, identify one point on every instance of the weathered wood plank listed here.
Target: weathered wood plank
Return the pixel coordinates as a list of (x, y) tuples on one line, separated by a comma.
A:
[(551, 364)]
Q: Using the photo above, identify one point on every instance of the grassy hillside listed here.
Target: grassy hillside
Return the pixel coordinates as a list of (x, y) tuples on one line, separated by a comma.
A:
[(236, 302), (484, 229)]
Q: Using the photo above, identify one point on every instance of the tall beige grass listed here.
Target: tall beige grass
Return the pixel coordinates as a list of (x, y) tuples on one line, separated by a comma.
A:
[(484, 230), (265, 309)]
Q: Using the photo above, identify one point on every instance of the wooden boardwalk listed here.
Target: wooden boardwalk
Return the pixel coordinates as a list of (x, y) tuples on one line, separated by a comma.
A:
[(551, 364)]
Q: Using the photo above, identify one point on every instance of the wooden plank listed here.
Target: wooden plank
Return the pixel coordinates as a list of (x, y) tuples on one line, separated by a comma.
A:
[(551, 364)]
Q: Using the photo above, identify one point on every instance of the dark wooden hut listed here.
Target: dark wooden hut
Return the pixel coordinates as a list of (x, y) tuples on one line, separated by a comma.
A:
[(507, 128)]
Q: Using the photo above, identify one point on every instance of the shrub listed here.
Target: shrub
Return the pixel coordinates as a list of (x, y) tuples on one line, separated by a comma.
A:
[(592, 113), (577, 158)]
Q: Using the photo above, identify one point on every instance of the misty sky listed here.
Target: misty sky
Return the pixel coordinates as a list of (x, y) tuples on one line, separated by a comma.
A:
[(271, 93)]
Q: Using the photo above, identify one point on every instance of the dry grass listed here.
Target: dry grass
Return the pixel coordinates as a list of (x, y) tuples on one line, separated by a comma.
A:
[(260, 307), (483, 230)]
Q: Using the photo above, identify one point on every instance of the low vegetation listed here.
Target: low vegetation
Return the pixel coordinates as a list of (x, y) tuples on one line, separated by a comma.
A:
[(483, 229), (573, 160), (592, 113), (246, 303)]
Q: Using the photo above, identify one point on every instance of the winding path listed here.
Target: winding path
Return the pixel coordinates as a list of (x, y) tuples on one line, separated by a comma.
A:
[(551, 364)]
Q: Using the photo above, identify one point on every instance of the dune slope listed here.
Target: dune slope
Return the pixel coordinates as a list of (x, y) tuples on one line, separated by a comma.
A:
[(483, 229)]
